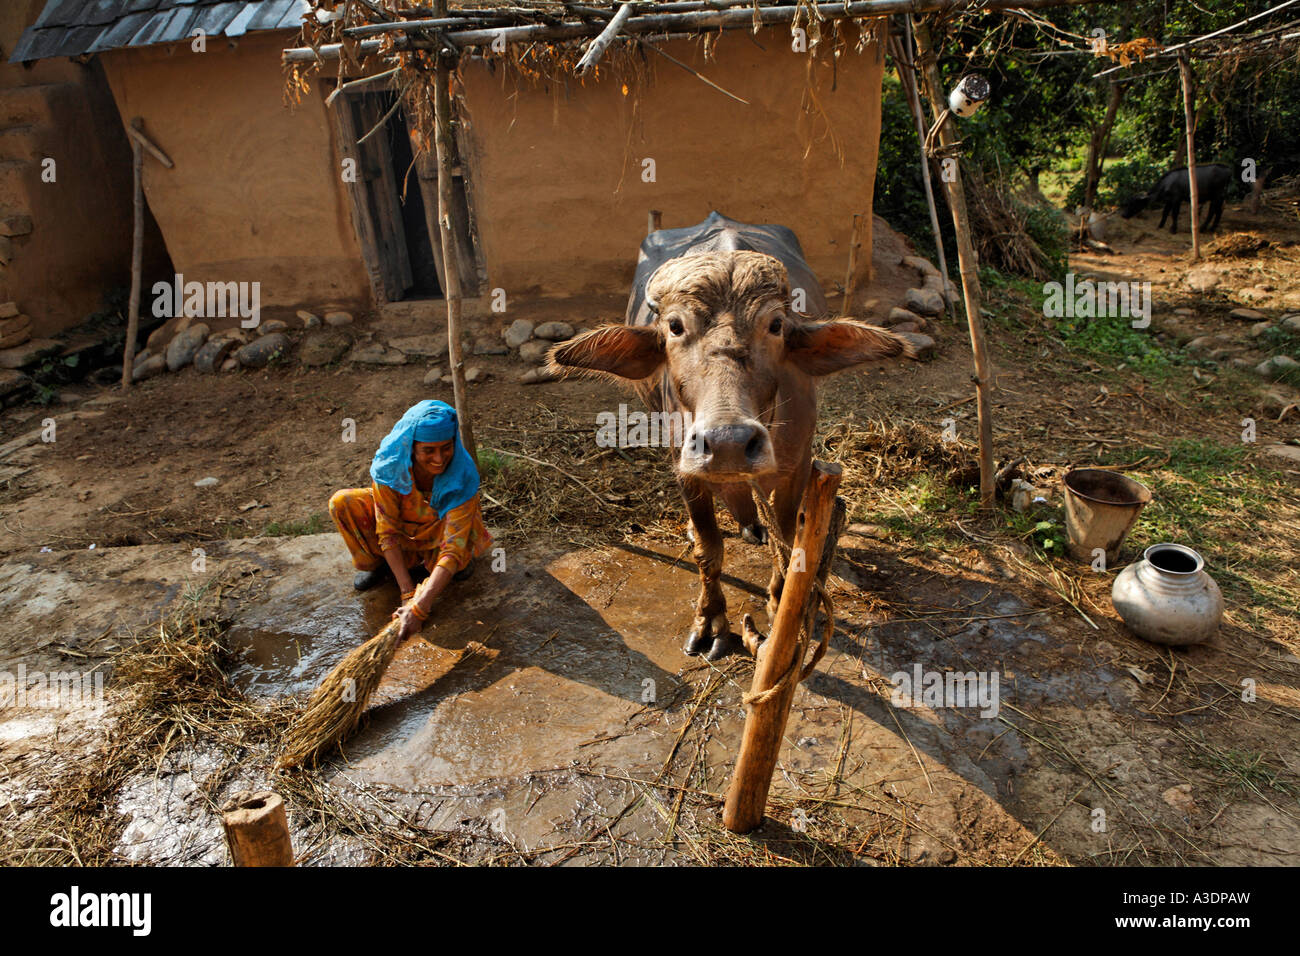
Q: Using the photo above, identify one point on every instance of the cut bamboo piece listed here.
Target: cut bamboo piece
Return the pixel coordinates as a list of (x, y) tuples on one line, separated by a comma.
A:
[(1189, 118), (137, 255), (777, 667), (257, 831)]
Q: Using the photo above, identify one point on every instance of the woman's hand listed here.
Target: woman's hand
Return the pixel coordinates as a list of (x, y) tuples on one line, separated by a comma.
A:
[(411, 623)]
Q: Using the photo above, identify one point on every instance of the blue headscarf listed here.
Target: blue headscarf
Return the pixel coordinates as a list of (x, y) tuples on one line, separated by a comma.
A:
[(426, 421)]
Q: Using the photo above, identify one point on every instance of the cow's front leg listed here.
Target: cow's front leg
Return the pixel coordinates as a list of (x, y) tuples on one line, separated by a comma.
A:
[(785, 503), (709, 629)]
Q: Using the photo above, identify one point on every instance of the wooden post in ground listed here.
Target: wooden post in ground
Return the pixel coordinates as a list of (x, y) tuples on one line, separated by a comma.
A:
[(850, 278), (1189, 118), (443, 144), (654, 222), (137, 257), (139, 143), (970, 282), (907, 76), (765, 722), (257, 832)]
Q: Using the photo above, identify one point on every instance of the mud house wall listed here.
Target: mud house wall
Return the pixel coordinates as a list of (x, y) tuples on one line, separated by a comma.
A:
[(79, 244), (256, 193), (557, 170)]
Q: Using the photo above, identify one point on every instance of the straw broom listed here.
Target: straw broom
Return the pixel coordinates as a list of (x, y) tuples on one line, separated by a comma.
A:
[(337, 704)]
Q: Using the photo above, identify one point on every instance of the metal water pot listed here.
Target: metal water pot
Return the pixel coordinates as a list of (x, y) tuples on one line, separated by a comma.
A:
[(1167, 597)]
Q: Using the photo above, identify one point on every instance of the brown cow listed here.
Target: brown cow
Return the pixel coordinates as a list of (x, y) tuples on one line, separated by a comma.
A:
[(723, 345)]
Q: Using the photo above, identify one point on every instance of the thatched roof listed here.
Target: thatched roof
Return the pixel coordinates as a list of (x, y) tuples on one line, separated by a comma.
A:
[(74, 27)]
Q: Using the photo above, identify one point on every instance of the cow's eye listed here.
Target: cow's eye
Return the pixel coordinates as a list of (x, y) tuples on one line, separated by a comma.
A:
[(675, 326), (776, 326)]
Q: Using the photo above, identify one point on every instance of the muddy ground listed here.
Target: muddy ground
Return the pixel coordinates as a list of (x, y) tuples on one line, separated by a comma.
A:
[(549, 716)]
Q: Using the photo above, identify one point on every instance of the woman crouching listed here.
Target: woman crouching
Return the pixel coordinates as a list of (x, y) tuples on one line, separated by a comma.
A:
[(420, 515)]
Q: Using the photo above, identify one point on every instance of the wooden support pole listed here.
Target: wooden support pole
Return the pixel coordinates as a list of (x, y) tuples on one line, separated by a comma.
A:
[(850, 277), (257, 832), (137, 255), (907, 76), (444, 146), (1189, 119), (765, 723), (966, 260), (654, 222), (598, 46)]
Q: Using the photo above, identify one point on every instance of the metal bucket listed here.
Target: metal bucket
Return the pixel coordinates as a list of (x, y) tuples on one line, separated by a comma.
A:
[(1100, 508)]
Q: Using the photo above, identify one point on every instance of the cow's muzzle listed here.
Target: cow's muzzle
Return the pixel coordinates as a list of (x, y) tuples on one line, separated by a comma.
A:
[(736, 449)]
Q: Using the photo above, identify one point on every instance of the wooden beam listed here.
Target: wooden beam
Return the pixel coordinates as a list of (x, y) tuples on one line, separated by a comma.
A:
[(598, 46), (966, 259), (137, 256), (739, 18), (777, 667), (137, 133), (445, 146), (1189, 120)]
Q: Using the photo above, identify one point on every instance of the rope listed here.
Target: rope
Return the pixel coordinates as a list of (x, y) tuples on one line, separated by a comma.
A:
[(781, 552)]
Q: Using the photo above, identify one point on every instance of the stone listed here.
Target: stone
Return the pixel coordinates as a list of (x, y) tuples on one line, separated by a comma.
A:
[(14, 332), (519, 332), (273, 325), (260, 352), (535, 376), (422, 346), (153, 365), (230, 365), (1289, 452), (338, 318), (936, 284), (897, 316), (376, 353), (921, 265), (213, 354), (1276, 367), (1186, 312), (182, 349), (435, 375), (1259, 328), (9, 309), (923, 345), (534, 351), (11, 381), (1247, 315), (6, 250), (554, 331), (322, 347), (310, 320), (235, 334), (1201, 343), (489, 347), (923, 301), (475, 374), (1180, 798), (28, 353), (208, 482), (1290, 323), (906, 327)]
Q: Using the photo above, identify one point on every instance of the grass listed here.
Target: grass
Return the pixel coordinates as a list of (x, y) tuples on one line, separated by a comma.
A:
[(315, 524)]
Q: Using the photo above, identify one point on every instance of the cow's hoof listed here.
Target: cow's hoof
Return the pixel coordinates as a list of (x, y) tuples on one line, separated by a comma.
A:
[(751, 636), (720, 649), (754, 533), (705, 632)]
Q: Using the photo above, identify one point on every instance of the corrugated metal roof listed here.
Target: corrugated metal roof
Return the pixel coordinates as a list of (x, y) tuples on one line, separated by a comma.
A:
[(74, 27)]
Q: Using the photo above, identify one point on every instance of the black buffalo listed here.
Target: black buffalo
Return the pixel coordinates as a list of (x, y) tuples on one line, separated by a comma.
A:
[(1173, 189)]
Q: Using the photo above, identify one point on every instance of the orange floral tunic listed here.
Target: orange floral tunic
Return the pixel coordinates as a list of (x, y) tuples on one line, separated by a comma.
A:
[(375, 518)]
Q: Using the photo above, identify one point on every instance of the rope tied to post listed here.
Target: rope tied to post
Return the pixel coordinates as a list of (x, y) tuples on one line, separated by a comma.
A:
[(781, 554)]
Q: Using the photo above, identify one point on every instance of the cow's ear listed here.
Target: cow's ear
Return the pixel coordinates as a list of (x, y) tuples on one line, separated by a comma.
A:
[(612, 351), (820, 348)]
